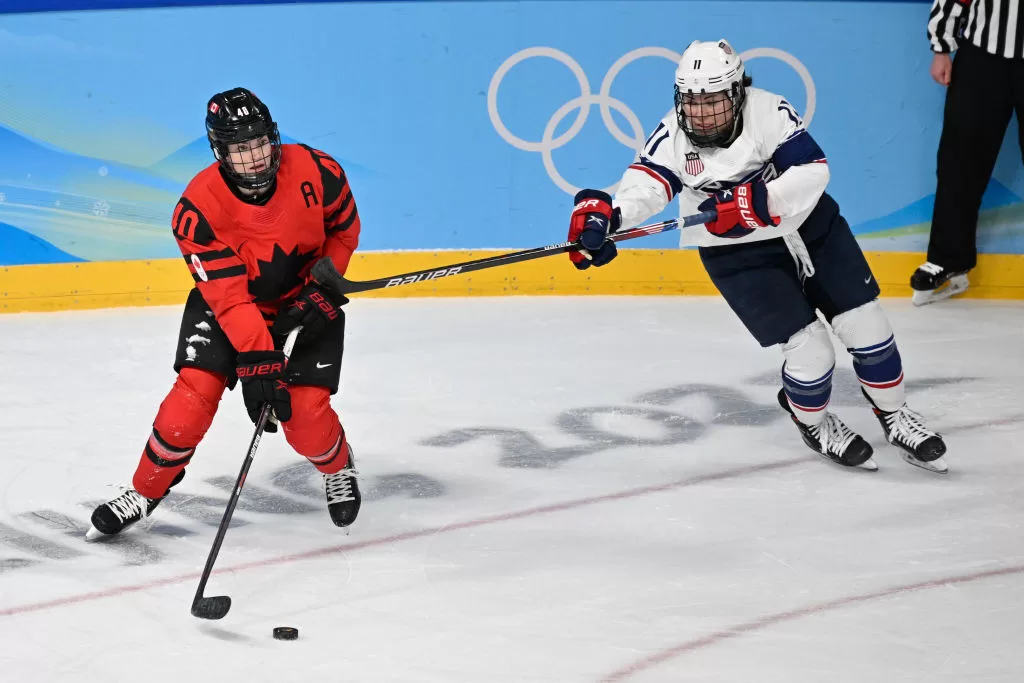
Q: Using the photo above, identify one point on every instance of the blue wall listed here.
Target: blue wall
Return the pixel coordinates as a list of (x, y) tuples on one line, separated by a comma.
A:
[(10, 6), (101, 122)]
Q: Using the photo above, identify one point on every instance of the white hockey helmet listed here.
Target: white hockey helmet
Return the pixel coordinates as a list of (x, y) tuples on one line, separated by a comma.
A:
[(706, 68)]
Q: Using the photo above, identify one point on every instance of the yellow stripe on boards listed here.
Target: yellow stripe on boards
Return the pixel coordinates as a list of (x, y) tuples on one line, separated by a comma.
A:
[(103, 284)]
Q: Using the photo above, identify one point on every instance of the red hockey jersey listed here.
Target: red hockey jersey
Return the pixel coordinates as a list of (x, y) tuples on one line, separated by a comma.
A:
[(249, 260)]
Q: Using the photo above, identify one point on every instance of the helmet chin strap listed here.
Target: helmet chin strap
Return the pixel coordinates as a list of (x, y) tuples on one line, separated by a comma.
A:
[(251, 189), (254, 191)]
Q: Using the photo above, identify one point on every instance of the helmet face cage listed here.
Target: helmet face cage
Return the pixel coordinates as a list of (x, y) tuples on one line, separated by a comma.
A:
[(719, 117), (244, 150), (236, 125)]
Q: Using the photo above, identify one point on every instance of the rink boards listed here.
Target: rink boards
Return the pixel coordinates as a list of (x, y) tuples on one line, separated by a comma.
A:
[(103, 284)]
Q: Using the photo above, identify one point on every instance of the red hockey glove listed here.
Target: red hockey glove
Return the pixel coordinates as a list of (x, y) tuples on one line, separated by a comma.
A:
[(262, 376), (592, 220), (741, 210)]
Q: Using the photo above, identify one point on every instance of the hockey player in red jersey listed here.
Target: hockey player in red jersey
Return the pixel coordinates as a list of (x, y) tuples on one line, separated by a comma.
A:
[(250, 227)]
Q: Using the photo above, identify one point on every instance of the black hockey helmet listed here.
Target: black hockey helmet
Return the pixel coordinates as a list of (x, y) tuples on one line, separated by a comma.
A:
[(237, 116)]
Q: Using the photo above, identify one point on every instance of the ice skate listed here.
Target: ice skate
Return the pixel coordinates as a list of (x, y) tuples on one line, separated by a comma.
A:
[(933, 283), (833, 440), (343, 497), (126, 509), (919, 445)]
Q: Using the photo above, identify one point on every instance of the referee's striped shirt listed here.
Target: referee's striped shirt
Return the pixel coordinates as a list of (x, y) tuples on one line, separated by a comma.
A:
[(996, 26)]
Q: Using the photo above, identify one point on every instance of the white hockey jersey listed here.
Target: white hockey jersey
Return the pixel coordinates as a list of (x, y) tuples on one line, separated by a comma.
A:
[(774, 145)]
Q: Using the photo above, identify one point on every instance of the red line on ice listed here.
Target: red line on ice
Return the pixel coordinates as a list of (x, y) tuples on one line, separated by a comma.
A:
[(773, 619), (410, 535)]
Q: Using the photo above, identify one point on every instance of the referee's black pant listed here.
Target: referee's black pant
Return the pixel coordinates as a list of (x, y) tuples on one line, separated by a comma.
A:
[(983, 93)]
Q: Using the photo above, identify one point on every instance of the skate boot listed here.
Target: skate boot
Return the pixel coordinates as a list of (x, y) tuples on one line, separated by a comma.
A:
[(933, 283), (833, 440), (115, 516), (919, 445), (343, 498)]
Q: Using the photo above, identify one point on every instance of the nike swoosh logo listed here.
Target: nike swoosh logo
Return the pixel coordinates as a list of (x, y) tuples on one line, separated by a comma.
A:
[(867, 280), (324, 365)]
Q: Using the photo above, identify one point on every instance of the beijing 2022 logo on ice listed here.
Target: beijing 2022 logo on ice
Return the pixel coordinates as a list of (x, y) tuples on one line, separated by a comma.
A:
[(548, 143)]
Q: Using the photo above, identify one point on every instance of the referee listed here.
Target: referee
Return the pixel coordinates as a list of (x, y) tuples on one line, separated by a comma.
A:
[(985, 85)]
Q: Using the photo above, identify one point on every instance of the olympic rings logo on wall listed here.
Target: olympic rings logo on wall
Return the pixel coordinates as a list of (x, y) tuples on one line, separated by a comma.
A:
[(548, 143)]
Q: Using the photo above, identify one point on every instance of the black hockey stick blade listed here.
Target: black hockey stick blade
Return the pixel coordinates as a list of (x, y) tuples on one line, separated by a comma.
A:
[(214, 607), (341, 285)]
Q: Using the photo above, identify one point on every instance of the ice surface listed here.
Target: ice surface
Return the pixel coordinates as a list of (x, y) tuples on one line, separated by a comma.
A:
[(556, 489)]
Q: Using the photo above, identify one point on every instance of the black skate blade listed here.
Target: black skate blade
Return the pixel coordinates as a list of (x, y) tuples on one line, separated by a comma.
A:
[(211, 608)]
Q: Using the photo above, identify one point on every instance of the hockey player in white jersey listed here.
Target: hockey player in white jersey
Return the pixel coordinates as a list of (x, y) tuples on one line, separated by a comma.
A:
[(779, 251)]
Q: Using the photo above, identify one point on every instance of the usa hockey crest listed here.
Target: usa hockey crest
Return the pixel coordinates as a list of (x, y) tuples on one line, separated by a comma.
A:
[(694, 166)]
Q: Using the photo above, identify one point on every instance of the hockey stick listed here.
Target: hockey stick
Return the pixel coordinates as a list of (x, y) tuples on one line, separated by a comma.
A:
[(344, 286), (215, 607)]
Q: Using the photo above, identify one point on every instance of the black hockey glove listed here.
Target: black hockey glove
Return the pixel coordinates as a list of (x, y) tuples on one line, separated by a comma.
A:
[(262, 377), (313, 309)]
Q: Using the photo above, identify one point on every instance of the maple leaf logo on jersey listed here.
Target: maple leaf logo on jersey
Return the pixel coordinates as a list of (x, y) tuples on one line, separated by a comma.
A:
[(280, 275)]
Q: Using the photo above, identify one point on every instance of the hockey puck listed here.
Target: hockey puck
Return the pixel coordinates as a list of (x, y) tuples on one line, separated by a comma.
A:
[(286, 633)]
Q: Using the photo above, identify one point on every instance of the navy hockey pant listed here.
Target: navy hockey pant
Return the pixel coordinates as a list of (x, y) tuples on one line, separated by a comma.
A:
[(760, 280)]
